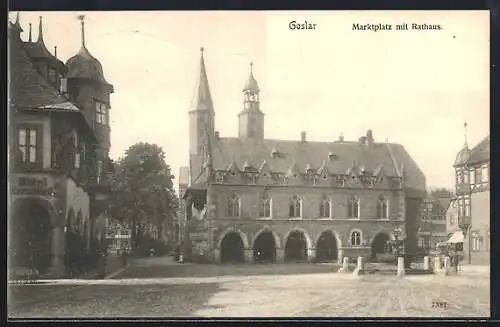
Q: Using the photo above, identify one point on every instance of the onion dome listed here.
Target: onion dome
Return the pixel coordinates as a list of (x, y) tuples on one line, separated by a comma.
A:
[(83, 65), (252, 82), (464, 154), (39, 52)]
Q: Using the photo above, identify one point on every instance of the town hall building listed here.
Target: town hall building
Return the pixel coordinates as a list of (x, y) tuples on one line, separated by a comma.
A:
[(250, 199)]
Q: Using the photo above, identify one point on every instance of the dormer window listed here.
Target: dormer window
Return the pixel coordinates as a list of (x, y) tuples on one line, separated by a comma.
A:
[(332, 156), (101, 113), (52, 76), (274, 153)]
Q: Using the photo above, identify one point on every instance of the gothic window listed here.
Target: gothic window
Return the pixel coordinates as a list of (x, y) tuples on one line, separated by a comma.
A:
[(29, 145), (233, 206), (461, 207), (101, 113), (295, 207), (356, 238), (382, 208), (52, 76), (353, 207), (219, 178), (465, 175), (265, 207), (324, 208)]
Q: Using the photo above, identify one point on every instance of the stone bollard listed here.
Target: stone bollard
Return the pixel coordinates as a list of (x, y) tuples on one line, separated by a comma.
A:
[(360, 267), (437, 264), (426, 263), (345, 265), (401, 267)]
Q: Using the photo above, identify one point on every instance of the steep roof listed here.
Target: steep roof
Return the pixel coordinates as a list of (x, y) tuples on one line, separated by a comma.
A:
[(481, 152), (202, 98), (336, 157), (28, 90)]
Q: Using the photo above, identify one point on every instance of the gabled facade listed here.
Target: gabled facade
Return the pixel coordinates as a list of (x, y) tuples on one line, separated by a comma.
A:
[(433, 224), (268, 199), (472, 184), (55, 180)]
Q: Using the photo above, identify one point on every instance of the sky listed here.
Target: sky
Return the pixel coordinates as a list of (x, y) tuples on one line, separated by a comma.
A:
[(416, 88)]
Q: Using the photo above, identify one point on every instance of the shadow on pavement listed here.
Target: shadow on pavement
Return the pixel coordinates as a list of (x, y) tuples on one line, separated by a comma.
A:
[(213, 270), (100, 301)]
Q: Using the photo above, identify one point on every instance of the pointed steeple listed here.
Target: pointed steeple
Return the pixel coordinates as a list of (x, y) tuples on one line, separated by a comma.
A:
[(202, 99), (465, 135), (323, 170), (17, 23), (252, 84), (16, 26), (233, 167), (40, 30)]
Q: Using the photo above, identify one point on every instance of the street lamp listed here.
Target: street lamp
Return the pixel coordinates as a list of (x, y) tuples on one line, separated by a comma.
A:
[(397, 232)]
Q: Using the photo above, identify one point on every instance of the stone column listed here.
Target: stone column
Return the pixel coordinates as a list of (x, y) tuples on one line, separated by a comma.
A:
[(360, 267), (340, 255), (280, 255), (447, 265), (248, 255), (426, 263), (401, 267), (311, 255), (345, 265), (57, 268), (217, 255)]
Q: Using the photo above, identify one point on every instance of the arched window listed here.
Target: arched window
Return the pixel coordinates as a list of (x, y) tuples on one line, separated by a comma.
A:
[(324, 208), (265, 207), (353, 207), (356, 238), (295, 207), (233, 206), (382, 208)]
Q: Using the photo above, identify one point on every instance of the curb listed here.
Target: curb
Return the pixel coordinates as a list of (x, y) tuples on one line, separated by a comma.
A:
[(116, 273)]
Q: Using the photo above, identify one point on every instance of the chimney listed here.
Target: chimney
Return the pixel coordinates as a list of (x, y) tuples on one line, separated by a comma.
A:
[(362, 140), (369, 137), (55, 51), (302, 136), (217, 134)]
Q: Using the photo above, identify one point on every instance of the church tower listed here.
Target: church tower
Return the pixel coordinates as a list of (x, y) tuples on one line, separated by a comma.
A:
[(90, 91), (251, 119), (201, 113)]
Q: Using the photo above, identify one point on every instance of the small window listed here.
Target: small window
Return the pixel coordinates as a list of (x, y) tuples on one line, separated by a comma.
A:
[(356, 238), (467, 207), (265, 207), (476, 241), (353, 207), (324, 208), (295, 207), (28, 145), (485, 174), (233, 206), (101, 113)]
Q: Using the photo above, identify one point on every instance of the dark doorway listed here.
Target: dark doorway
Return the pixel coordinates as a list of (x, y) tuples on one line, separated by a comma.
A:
[(296, 247), (264, 248), (231, 249), (380, 245), (326, 248), (31, 237)]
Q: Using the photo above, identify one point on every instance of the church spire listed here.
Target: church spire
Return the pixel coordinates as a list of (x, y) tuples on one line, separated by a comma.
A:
[(40, 30), (252, 84), (202, 99)]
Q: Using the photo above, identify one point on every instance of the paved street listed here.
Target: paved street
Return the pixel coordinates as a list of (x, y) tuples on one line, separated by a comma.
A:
[(324, 294)]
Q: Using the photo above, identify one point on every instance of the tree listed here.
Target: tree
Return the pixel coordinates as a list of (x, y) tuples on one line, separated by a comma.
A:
[(142, 190)]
